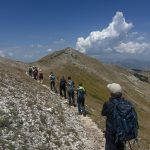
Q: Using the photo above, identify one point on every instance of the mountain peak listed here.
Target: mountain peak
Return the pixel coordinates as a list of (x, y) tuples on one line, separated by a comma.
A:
[(69, 50)]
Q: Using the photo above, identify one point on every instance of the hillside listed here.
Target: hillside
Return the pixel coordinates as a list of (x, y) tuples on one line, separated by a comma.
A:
[(34, 118), (95, 76)]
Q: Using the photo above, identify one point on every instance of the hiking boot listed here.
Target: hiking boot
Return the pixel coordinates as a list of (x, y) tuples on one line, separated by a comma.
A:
[(84, 114), (74, 105)]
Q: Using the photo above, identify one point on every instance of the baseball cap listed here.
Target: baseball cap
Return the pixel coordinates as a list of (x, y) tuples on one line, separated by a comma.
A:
[(114, 88)]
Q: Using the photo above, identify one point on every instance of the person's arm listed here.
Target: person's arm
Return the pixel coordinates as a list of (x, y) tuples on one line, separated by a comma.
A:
[(104, 109), (73, 84)]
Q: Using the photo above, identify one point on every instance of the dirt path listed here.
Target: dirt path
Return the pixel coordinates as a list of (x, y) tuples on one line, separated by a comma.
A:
[(93, 138), (94, 134)]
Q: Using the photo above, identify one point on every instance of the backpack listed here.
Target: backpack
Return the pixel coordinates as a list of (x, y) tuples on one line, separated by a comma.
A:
[(40, 75), (52, 77), (81, 92), (125, 121), (30, 70), (62, 82), (70, 85)]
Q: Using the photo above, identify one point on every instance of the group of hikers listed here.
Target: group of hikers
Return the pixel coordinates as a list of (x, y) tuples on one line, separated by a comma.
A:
[(66, 89), (36, 73), (121, 117)]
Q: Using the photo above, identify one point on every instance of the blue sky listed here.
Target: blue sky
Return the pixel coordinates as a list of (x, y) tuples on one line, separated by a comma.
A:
[(106, 29)]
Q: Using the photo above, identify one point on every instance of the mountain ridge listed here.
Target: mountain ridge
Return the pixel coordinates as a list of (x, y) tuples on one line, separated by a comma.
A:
[(95, 76), (133, 64), (33, 117)]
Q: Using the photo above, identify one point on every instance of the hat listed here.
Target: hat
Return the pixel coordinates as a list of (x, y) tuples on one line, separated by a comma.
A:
[(114, 88)]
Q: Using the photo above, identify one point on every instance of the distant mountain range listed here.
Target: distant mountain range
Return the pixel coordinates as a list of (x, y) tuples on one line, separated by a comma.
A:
[(133, 64)]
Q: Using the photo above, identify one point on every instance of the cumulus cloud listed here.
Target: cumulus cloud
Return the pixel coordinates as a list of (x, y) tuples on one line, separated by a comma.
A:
[(140, 38), (101, 40), (132, 47), (115, 38)]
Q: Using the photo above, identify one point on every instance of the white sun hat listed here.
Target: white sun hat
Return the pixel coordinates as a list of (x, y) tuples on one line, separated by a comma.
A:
[(114, 88)]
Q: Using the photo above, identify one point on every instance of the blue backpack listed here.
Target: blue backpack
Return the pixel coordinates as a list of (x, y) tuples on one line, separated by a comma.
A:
[(125, 121), (70, 86), (81, 92), (52, 77)]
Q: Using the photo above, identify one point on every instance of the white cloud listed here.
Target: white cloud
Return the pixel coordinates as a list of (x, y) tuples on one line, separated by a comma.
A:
[(132, 47), (28, 56), (10, 54), (2, 54), (60, 41), (38, 46), (140, 38), (100, 40), (49, 50)]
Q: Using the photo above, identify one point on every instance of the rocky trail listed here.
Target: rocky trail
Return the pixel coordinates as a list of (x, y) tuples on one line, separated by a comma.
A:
[(93, 137), (34, 118)]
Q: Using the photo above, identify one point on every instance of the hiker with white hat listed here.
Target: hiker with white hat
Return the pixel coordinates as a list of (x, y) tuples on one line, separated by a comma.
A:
[(121, 119)]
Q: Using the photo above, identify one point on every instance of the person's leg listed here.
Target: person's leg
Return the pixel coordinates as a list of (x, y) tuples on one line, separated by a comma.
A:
[(73, 99), (51, 85), (120, 146), (34, 75), (110, 142), (69, 97), (54, 86), (60, 90), (79, 105), (83, 106), (64, 90)]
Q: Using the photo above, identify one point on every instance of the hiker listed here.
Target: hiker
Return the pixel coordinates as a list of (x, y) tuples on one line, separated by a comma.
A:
[(30, 71), (35, 73), (52, 81), (70, 90), (40, 76), (121, 119), (62, 87), (81, 92)]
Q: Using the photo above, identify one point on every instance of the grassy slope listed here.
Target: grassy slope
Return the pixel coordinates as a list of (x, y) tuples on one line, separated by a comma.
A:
[(95, 76)]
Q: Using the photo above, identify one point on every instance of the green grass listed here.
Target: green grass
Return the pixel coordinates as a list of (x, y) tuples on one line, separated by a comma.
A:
[(95, 85)]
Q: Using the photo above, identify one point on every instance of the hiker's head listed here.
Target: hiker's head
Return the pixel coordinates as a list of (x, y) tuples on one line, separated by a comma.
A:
[(115, 90), (69, 78), (51, 72)]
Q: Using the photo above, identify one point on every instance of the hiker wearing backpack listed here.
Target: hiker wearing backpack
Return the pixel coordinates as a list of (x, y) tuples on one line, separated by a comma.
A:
[(40, 76), (35, 73), (121, 120), (30, 71), (62, 87), (81, 92), (52, 81), (70, 89)]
